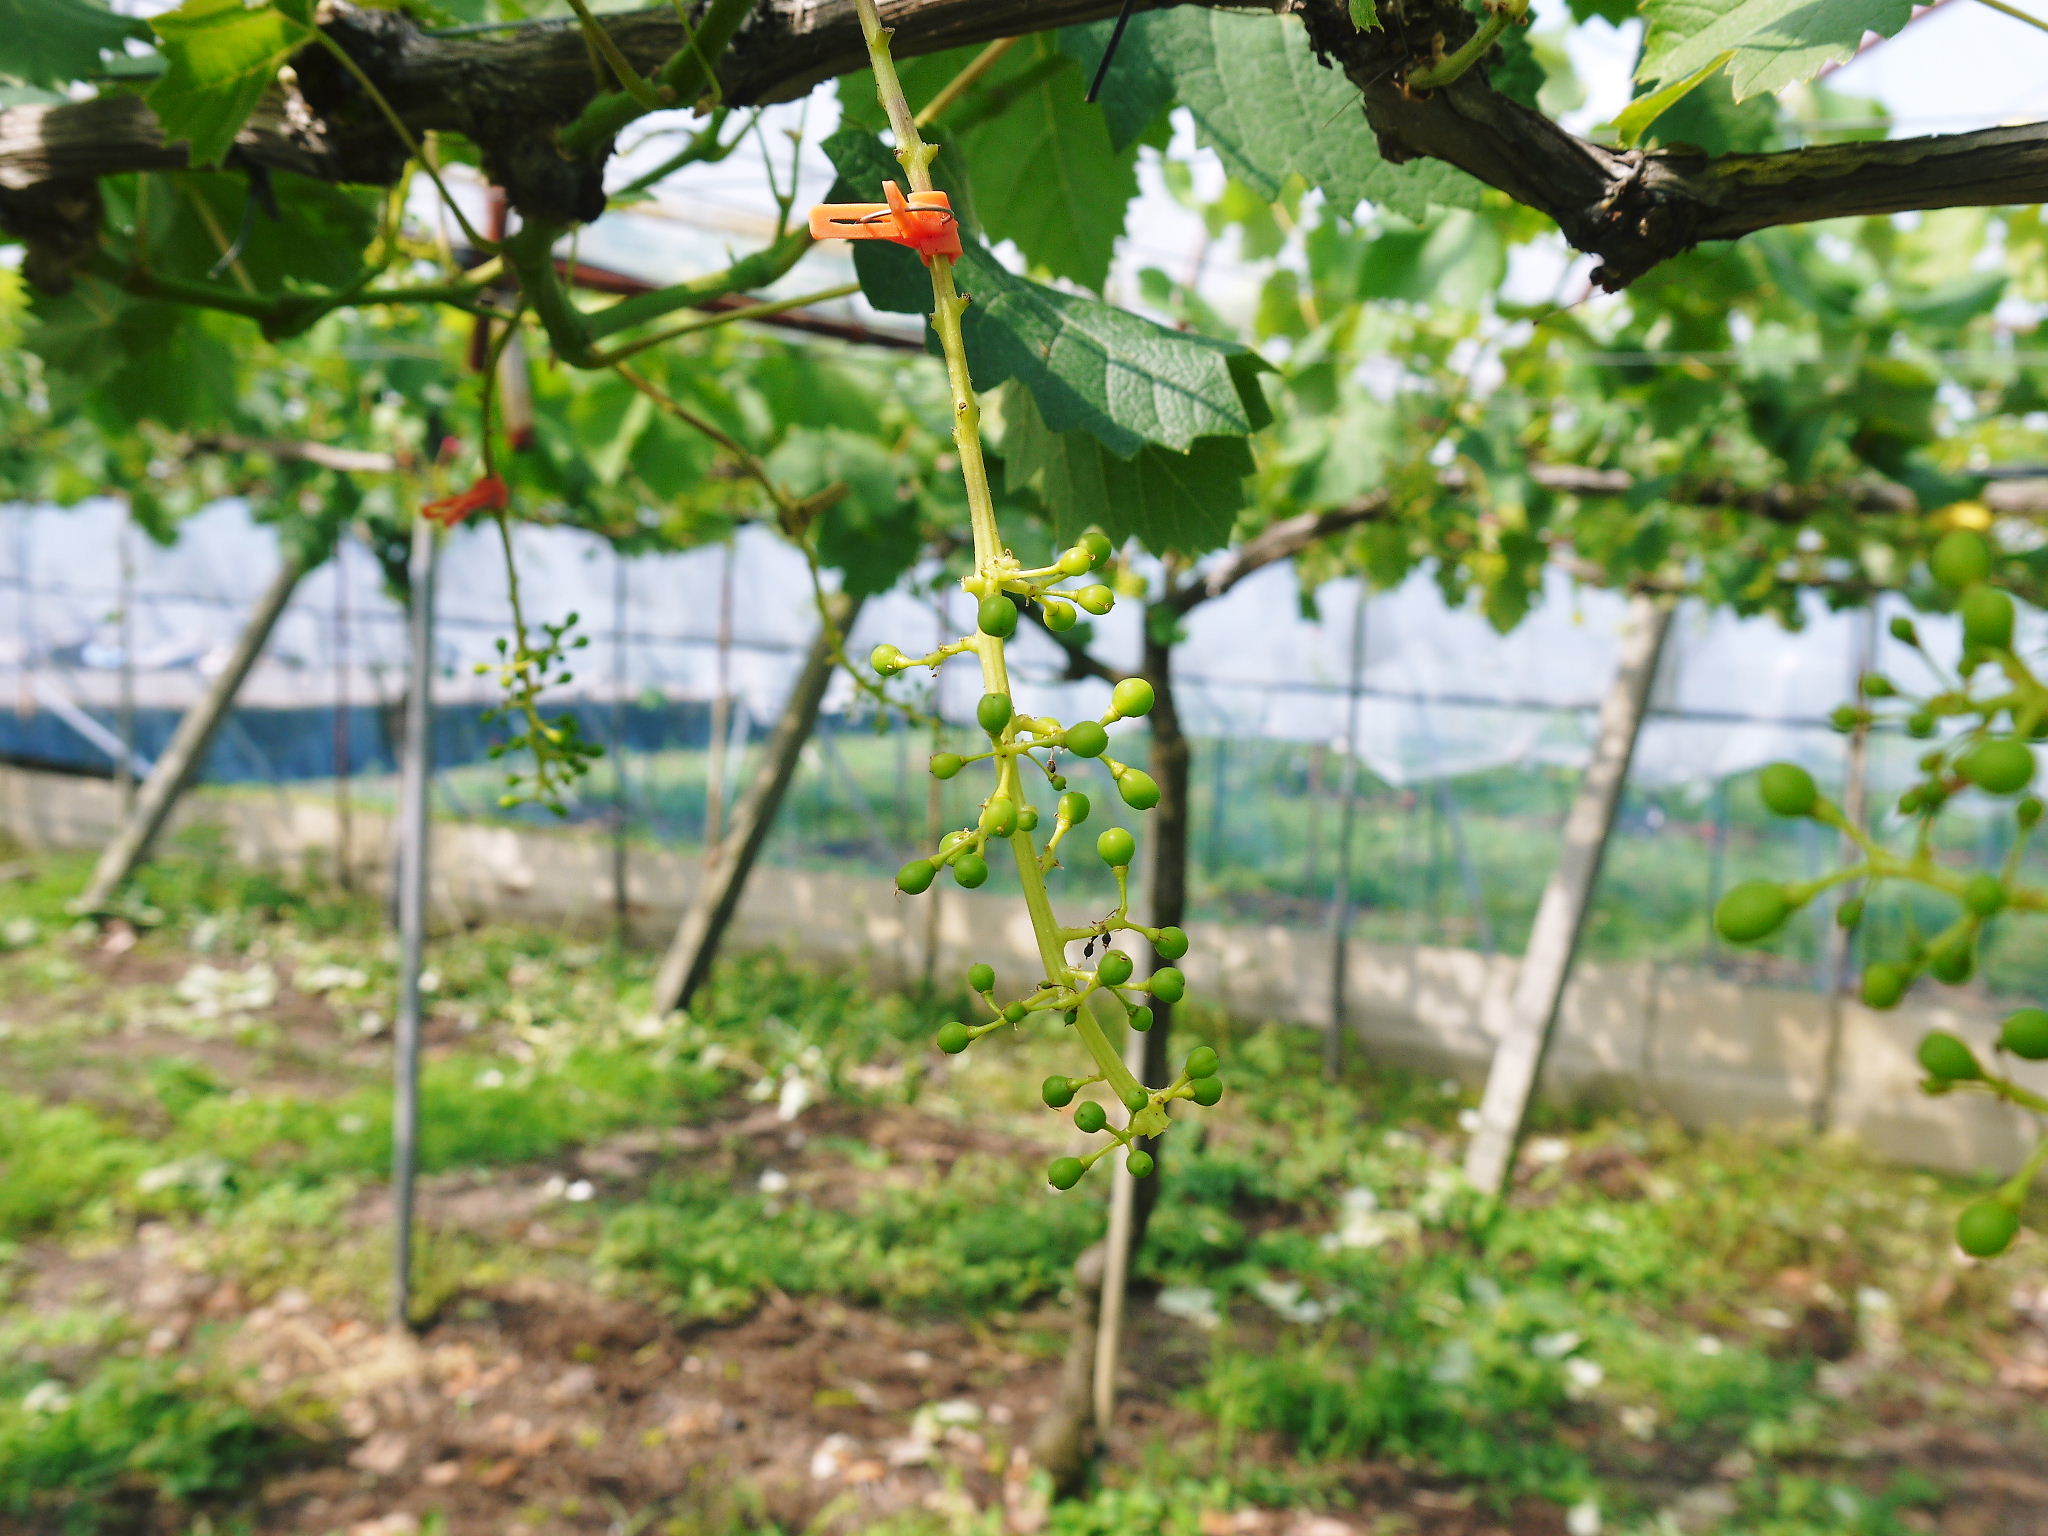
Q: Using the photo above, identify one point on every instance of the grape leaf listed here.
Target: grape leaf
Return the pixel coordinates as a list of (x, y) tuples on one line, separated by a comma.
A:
[(1133, 100), (121, 360), (870, 535), (1774, 43), (49, 42), (1168, 501), (220, 56), (1264, 103), (1090, 366)]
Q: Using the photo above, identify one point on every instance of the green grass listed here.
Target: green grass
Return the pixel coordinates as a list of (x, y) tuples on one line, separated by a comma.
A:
[(1650, 1316)]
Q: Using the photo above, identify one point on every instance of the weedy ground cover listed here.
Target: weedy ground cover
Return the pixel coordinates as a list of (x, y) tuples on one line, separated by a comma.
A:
[(780, 1265)]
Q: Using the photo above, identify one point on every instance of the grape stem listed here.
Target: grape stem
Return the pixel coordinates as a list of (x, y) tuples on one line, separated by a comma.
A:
[(948, 305)]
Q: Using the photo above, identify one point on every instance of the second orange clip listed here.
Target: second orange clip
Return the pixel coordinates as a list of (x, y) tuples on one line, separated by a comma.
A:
[(924, 221)]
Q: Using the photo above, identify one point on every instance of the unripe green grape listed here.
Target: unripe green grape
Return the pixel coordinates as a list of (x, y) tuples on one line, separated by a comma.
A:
[(1877, 686), (1090, 1118), (1847, 717), (916, 877), (1788, 789), (1945, 1058), (1984, 893), (996, 616), (954, 1038), (1074, 807), (970, 870), (887, 660), (1014, 1013), (1115, 969), (999, 816), (1205, 1091), (1884, 984), (1097, 599), (1920, 725), (1065, 1172), (1953, 959), (1058, 1092), (1057, 780), (994, 712), (2025, 1034), (1987, 618), (1203, 1061), (981, 976), (1931, 762), (1087, 739), (1909, 802), (1059, 616), (1850, 913), (1141, 1018), (1116, 846), (1027, 819), (1986, 1228), (1139, 1163), (2028, 812), (1139, 789), (1172, 943), (1904, 630), (1752, 911), (1133, 696), (1075, 561), (1168, 985), (1096, 542), (945, 764), (1961, 558), (1999, 766), (1136, 1100)]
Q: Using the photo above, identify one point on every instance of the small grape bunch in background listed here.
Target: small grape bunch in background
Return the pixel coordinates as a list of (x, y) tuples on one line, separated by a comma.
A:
[(1994, 708)]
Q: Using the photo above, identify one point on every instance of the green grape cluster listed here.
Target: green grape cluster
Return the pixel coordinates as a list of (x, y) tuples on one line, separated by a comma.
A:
[(1986, 713), (560, 753), (1023, 752)]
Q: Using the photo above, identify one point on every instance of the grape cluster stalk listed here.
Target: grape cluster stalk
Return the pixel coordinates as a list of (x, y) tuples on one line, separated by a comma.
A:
[(1027, 750)]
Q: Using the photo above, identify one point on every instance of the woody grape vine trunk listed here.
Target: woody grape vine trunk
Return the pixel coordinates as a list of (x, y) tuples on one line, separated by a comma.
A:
[(1024, 748)]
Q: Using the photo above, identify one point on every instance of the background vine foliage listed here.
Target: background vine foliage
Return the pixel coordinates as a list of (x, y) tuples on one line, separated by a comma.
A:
[(207, 201)]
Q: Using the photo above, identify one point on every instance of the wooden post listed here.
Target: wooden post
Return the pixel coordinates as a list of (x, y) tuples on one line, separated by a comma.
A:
[(721, 713), (695, 946), (124, 707), (415, 779), (1347, 825), (181, 759), (1840, 961), (1524, 1028), (344, 725), (622, 904)]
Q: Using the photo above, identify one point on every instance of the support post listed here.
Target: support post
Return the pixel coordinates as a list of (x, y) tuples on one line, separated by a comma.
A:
[(344, 724), (415, 777), (173, 771), (1525, 1027), (689, 957), (124, 707), (1347, 826), (1839, 966), (622, 904)]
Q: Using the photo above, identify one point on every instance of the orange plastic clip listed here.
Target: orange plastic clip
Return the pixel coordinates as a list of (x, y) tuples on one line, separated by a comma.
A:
[(924, 221), (490, 494)]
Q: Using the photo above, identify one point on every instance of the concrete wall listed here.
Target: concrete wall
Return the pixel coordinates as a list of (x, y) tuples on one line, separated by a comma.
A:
[(1670, 1039)]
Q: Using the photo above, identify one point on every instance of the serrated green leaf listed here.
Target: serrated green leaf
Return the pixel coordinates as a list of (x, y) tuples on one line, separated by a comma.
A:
[(220, 56), (1090, 366), (51, 42), (122, 361), (1262, 101), (1772, 43), (1184, 503), (870, 535), (1133, 100)]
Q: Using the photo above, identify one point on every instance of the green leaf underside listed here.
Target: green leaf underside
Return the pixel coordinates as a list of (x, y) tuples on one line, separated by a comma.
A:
[(1090, 366), (1634, 120), (220, 56), (1168, 501), (48, 42), (1264, 103), (1773, 43), (1134, 96)]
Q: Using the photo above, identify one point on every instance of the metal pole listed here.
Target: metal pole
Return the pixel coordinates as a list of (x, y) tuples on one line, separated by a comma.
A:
[(124, 767), (1840, 961), (622, 907), (1347, 824), (415, 778)]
